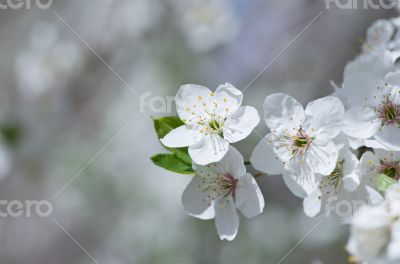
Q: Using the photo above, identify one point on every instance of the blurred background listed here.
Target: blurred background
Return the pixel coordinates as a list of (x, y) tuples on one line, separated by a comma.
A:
[(79, 83)]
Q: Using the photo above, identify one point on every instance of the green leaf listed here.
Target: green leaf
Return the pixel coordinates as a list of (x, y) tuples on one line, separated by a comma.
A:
[(11, 133), (182, 154), (165, 125), (383, 182), (172, 163)]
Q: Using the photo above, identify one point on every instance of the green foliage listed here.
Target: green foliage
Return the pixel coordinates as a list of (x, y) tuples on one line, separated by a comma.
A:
[(11, 134), (383, 182), (172, 163), (179, 160)]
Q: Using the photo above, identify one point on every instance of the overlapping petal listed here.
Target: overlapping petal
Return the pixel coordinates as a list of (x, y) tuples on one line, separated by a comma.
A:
[(226, 219), (324, 116), (264, 159), (361, 122), (209, 149), (182, 136), (249, 199), (195, 201), (240, 124), (283, 112)]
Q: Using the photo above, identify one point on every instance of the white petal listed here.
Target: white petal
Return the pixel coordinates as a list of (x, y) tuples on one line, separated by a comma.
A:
[(312, 204), (232, 163), (322, 156), (290, 180), (249, 199), (325, 116), (359, 86), (209, 149), (395, 94), (393, 78), (264, 159), (352, 171), (389, 136), (195, 201), (229, 98), (279, 144), (372, 143), (302, 170), (356, 143), (226, 219), (283, 112), (240, 124), (370, 217), (393, 193), (182, 136), (368, 63), (374, 196), (369, 165), (361, 122), (189, 102), (394, 246)]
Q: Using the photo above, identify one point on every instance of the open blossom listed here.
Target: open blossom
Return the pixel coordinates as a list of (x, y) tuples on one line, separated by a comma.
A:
[(207, 24), (301, 143), (47, 63), (375, 109), (375, 231), (382, 40), (218, 189), (212, 121), (380, 162), (337, 186)]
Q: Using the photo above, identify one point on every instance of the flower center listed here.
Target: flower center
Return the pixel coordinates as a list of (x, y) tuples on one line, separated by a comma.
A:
[(388, 112), (300, 143), (390, 169), (335, 178), (214, 125), (219, 186)]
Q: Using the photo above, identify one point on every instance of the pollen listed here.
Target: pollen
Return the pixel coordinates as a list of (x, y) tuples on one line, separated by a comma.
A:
[(388, 112)]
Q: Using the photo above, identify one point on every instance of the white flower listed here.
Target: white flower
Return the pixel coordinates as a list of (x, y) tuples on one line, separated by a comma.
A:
[(207, 24), (380, 162), (212, 121), (218, 189), (300, 144), (370, 234), (336, 188), (48, 62), (382, 40), (375, 109), (375, 231)]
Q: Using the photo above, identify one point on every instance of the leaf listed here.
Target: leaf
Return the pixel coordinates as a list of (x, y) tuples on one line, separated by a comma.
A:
[(165, 125), (182, 154), (11, 134), (172, 163), (383, 182)]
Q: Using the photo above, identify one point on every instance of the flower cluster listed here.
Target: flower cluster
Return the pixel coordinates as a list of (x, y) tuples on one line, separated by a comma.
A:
[(338, 148), (375, 230)]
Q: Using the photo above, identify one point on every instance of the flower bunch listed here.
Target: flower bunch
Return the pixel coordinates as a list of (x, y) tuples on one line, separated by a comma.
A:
[(342, 147)]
